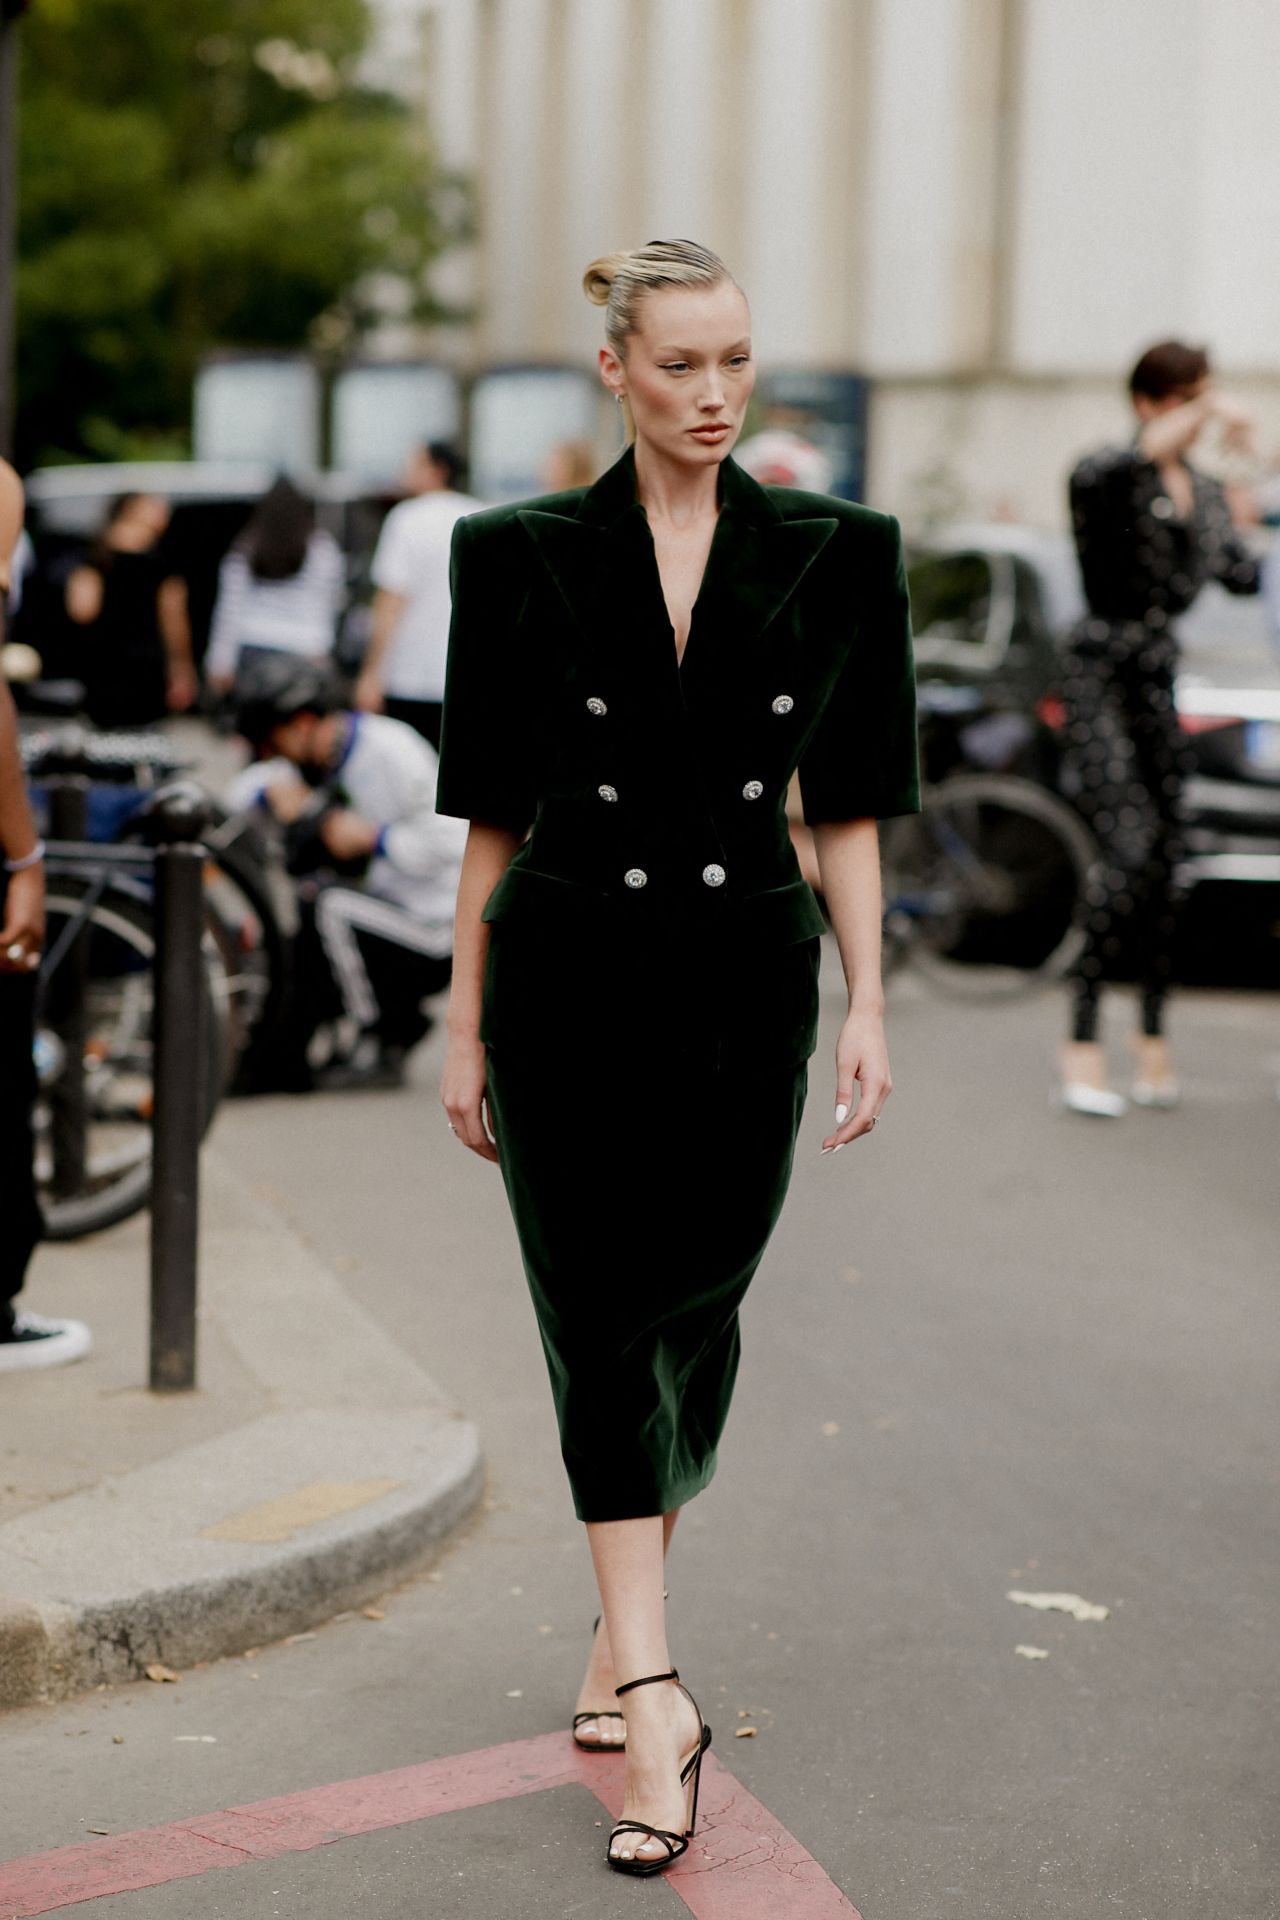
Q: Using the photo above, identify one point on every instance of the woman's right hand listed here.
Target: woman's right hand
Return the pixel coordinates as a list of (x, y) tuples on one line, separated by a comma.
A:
[(462, 1091)]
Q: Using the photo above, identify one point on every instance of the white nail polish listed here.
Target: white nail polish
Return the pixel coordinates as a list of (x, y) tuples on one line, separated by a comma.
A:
[(841, 1147), (842, 1114)]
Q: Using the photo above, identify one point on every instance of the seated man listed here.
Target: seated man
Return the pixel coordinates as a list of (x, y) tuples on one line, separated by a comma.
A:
[(377, 865)]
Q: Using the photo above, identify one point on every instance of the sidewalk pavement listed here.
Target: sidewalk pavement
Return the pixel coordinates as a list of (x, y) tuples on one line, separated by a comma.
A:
[(314, 1466)]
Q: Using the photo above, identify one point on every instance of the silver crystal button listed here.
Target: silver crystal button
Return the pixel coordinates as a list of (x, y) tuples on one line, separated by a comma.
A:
[(636, 877), (596, 706), (753, 790), (607, 793), (713, 875), (783, 703)]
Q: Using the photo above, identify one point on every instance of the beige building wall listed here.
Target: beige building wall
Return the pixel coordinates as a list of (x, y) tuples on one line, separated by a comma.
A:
[(988, 206)]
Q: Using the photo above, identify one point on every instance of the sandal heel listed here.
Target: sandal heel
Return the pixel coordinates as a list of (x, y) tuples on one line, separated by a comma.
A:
[(676, 1844)]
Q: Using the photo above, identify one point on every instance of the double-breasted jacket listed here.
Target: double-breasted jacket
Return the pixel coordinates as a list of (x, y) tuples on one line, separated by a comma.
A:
[(657, 899)]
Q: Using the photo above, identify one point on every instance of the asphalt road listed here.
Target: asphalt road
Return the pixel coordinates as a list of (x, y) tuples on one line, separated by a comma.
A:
[(993, 1347)]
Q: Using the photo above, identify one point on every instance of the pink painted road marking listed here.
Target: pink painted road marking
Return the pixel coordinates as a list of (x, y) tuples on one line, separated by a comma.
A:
[(742, 1864)]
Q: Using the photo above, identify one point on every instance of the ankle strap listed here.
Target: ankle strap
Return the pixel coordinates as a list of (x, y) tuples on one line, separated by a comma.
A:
[(650, 1680)]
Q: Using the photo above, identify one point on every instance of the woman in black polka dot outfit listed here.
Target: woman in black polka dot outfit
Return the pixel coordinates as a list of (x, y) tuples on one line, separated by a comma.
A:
[(1149, 530)]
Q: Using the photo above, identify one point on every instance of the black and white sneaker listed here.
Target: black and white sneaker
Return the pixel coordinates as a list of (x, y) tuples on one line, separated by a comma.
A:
[(34, 1341)]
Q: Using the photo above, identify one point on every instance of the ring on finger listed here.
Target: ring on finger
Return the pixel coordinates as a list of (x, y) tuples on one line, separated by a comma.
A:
[(14, 952)]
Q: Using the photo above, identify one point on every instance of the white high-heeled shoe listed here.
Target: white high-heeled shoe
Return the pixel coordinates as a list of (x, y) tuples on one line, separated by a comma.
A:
[(1147, 1093), (1077, 1096)]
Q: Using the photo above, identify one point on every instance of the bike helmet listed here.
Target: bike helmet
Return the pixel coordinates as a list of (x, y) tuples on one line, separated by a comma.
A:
[(273, 691)]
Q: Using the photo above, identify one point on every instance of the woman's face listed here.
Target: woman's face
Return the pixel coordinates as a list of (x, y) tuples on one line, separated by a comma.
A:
[(140, 523), (688, 371)]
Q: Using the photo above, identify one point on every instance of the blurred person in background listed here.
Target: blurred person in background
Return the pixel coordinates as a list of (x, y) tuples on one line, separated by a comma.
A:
[(570, 463), (635, 670), (777, 457), (403, 671), (26, 1339), (1150, 529), (378, 868), (135, 659), (280, 589)]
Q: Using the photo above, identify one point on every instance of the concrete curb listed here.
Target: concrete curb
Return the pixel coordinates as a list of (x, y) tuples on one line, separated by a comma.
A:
[(347, 1484)]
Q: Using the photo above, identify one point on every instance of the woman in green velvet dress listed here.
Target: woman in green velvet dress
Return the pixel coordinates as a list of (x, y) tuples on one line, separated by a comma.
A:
[(636, 670)]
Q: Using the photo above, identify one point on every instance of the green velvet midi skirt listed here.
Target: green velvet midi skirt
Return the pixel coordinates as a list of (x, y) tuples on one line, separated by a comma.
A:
[(643, 1195)]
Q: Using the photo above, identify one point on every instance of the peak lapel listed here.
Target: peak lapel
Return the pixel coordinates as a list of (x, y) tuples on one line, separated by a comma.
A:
[(752, 571), (576, 555)]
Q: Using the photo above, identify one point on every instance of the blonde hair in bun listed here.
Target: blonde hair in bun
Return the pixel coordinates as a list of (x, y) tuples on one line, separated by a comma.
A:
[(618, 282)]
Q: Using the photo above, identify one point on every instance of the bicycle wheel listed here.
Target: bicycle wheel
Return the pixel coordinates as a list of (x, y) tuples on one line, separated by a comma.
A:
[(93, 1139), (985, 888)]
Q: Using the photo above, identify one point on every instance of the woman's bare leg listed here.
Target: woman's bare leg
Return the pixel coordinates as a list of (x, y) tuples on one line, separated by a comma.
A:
[(601, 1678), (661, 1726)]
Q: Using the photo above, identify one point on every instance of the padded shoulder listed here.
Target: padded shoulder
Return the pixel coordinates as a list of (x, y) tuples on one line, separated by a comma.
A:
[(794, 504), (494, 520)]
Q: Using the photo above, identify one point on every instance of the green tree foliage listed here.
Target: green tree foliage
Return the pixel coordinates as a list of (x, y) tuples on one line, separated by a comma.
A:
[(203, 174)]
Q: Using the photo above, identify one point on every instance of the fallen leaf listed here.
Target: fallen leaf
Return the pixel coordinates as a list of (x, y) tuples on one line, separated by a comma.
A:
[(156, 1672), (1059, 1603), (373, 1613), (97, 1829), (117, 1739), (1033, 1653), (516, 1693), (546, 1629), (252, 1653), (830, 1429), (296, 1639), (744, 1733)]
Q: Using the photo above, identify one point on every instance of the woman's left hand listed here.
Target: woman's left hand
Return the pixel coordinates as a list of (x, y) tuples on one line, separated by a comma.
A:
[(862, 1056), (22, 935)]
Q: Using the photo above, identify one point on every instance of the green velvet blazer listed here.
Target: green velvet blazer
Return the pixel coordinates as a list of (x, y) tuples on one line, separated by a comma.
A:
[(657, 899)]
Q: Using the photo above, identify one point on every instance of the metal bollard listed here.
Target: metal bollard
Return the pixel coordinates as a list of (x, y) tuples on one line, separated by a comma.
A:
[(178, 1066)]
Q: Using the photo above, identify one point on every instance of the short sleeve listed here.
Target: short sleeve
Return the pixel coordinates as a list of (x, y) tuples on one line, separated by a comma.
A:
[(488, 729), (1101, 492), (1230, 560), (392, 567), (862, 761)]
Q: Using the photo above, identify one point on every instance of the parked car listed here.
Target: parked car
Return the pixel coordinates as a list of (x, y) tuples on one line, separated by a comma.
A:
[(992, 607)]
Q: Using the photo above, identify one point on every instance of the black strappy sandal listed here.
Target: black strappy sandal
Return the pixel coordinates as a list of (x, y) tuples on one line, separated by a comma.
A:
[(609, 1713), (690, 1778)]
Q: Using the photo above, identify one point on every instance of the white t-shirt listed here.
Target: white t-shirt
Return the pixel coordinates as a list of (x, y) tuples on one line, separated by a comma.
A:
[(412, 559)]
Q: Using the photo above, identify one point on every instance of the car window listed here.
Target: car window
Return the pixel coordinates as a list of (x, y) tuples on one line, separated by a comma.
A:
[(950, 602)]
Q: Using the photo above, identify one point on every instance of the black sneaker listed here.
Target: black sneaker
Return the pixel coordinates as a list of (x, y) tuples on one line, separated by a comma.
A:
[(33, 1341), (383, 1071)]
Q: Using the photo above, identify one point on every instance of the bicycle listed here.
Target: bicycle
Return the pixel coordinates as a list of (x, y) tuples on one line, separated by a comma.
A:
[(93, 1047), (985, 888)]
